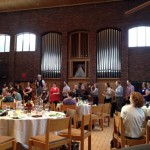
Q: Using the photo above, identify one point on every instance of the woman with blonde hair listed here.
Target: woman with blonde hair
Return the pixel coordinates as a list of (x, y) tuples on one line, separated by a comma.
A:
[(133, 116)]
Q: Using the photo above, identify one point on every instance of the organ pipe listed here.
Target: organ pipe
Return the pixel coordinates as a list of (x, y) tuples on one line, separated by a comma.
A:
[(108, 53)]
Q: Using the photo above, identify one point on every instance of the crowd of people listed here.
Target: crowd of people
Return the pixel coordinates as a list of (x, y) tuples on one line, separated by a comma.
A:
[(127, 101), (118, 97)]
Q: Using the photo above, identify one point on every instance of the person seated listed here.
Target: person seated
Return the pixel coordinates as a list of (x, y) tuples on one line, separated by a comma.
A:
[(17, 95), (8, 97), (69, 100), (133, 116)]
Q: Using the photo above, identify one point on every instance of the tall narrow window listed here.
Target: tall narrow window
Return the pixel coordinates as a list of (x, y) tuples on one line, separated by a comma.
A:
[(139, 36), (108, 53), (51, 55), (4, 43), (26, 42)]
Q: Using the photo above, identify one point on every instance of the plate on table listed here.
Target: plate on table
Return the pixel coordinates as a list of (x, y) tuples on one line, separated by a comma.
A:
[(36, 116), (2, 112), (56, 114)]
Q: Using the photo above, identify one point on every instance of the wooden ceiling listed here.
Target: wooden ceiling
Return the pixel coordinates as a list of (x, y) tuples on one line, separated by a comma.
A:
[(17, 5)]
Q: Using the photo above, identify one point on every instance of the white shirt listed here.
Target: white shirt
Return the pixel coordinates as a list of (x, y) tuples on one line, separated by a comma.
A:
[(133, 119), (108, 93), (66, 89)]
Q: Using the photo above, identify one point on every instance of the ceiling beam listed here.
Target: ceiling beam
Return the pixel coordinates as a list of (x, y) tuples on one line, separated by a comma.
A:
[(137, 8)]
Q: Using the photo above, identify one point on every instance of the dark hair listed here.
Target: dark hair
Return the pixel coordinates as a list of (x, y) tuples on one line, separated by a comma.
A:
[(8, 90), (107, 83), (119, 82), (129, 80), (70, 93), (14, 89)]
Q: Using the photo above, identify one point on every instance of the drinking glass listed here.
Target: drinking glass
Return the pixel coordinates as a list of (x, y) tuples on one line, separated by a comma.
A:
[(46, 107)]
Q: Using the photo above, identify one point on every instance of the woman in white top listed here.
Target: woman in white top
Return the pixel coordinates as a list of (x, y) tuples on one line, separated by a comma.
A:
[(133, 116), (107, 93)]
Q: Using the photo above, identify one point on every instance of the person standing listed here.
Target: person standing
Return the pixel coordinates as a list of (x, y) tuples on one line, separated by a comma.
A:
[(76, 92), (94, 91), (39, 84), (65, 90), (119, 96), (129, 90), (27, 92), (107, 93), (54, 94), (45, 94)]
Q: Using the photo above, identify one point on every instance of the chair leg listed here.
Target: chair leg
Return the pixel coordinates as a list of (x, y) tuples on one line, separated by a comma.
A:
[(108, 121), (115, 142), (89, 143), (82, 144), (30, 146), (122, 144), (101, 123), (14, 145), (69, 146)]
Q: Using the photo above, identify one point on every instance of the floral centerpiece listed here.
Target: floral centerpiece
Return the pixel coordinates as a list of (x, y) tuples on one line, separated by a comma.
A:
[(29, 105)]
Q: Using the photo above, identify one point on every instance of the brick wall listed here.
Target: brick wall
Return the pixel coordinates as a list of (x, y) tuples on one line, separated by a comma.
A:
[(135, 62)]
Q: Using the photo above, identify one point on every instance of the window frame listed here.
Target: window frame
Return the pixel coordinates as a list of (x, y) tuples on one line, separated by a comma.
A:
[(22, 48), (137, 37), (4, 46)]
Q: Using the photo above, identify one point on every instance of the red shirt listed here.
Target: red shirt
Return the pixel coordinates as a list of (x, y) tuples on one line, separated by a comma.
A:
[(54, 94)]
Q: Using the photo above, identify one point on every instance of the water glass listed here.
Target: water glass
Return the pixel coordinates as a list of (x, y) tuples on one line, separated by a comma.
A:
[(46, 107)]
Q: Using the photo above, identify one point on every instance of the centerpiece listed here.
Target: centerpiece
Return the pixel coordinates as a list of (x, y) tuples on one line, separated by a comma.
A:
[(29, 105)]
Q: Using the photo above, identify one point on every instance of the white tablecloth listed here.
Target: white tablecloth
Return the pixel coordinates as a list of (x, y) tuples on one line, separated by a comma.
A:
[(23, 129), (83, 109)]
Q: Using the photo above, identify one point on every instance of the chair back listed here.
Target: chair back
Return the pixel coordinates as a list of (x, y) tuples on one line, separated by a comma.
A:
[(98, 110), (107, 108), (86, 121), (64, 107), (73, 115), (118, 125), (58, 125), (10, 104), (119, 133)]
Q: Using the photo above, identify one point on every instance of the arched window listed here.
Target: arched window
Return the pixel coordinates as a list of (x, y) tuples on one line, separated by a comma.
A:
[(26, 42), (4, 43), (139, 36), (51, 55), (108, 53)]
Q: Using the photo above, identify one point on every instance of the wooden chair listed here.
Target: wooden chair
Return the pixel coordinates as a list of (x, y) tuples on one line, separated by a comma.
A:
[(11, 104), (65, 107), (81, 134), (51, 140), (7, 142), (119, 134), (97, 114), (106, 112), (73, 115)]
